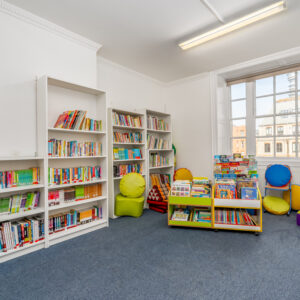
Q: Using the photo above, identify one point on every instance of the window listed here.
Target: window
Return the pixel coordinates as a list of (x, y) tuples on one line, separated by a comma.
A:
[(279, 147), (267, 147), (275, 124)]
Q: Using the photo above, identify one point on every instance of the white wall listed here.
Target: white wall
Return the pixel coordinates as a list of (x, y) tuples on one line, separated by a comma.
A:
[(190, 105), (28, 51)]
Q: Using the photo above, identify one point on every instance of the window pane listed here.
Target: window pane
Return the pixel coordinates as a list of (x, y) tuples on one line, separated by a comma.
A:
[(288, 147), (264, 106), (264, 86), (239, 146), (264, 126), (238, 91), (285, 82), (264, 147), (284, 124), (238, 128), (298, 80), (285, 103), (238, 109)]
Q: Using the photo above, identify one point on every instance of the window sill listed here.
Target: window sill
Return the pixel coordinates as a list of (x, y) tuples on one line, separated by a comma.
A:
[(265, 161)]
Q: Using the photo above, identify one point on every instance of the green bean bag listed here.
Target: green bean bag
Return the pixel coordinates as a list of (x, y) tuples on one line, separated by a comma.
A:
[(132, 185), (128, 206), (276, 205)]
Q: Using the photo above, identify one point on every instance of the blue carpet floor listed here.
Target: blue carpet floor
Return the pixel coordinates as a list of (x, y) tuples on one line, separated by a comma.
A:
[(144, 259)]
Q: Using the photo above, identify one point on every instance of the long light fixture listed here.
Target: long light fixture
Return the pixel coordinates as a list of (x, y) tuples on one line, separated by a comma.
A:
[(234, 25)]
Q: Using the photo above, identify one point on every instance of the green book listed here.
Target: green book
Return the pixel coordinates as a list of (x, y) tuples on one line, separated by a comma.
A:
[(79, 192), (4, 205)]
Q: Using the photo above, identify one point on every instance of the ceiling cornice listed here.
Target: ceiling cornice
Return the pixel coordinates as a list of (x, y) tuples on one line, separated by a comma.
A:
[(32, 19)]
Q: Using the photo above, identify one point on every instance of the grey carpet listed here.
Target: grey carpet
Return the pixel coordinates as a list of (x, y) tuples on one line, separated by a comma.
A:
[(144, 259)]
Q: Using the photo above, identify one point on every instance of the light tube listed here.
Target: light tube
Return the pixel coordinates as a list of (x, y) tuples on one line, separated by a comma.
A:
[(234, 25)]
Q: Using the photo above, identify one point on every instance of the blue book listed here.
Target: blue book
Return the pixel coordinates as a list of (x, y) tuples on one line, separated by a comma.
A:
[(249, 193)]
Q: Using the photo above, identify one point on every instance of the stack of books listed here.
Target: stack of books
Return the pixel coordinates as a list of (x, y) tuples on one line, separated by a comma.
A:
[(181, 214), (77, 193), (15, 178), (234, 217), (19, 203), (157, 124), (201, 187), (126, 120), (124, 154), (58, 176), (77, 120), (121, 170), (128, 137), (157, 160), (14, 235), (200, 215), (157, 143), (181, 188), (63, 148)]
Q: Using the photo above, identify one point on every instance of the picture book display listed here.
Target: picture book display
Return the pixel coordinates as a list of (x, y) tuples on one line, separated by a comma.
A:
[(77, 193), (157, 160), (157, 143), (191, 214), (73, 218), (157, 124), (234, 217), (14, 235), (120, 119), (225, 189), (121, 170), (15, 178), (201, 187), (127, 137), (59, 176), (64, 148), (124, 154), (77, 120), (181, 188), (19, 203)]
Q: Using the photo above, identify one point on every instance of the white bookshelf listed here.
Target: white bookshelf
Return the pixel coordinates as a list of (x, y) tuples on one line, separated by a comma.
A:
[(53, 97), (114, 181), (168, 153)]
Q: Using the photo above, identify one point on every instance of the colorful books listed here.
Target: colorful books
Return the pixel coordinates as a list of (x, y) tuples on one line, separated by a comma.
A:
[(14, 235), (225, 189), (157, 124), (121, 170), (157, 160), (180, 214), (125, 154), (77, 120), (59, 176), (181, 188), (201, 187), (128, 137), (15, 178), (126, 120), (157, 143), (63, 148), (234, 217)]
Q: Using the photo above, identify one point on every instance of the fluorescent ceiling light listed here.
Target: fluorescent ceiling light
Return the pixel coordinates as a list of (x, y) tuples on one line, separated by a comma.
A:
[(234, 25)]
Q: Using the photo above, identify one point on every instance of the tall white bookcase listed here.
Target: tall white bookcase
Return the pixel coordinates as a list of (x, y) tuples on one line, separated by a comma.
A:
[(168, 153), (114, 181), (53, 97)]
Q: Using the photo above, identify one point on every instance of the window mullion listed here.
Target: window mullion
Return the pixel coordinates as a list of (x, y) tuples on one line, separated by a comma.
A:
[(250, 118)]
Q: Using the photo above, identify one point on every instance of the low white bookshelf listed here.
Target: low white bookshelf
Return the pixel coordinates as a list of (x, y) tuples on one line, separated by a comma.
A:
[(113, 180)]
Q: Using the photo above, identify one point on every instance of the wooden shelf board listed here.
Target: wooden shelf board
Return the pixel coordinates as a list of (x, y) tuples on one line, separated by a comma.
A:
[(53, 187), (23, 214), (21, 188), (18, 158), (77, 157), (75, 131)]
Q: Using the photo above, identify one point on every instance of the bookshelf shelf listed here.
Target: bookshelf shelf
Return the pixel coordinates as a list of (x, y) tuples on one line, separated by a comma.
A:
[(159, 131), (76, 131), (78, 157), (53, 187), (23, 214), (76, 203), (20, 158), (161, 167), (139, 134), (21, 188), (156, 150)]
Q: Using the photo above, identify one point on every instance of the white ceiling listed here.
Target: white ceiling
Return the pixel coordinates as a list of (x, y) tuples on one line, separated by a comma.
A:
[(143, 34)]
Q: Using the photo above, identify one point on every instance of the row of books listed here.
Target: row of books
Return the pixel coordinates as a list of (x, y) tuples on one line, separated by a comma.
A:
[(73, 218), (157, 160), (123, 153), (14, 235), (234, 217), (15, 178), (77, 193), (19, 203), (63, 148), (192, 214), (77, 120), (157, 143), (58, 176), (128, 137), (157, 124), (126, 120), (121, 170)]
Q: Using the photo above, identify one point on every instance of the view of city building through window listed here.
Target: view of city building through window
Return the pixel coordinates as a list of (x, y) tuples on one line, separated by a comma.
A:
[(275, 120)]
